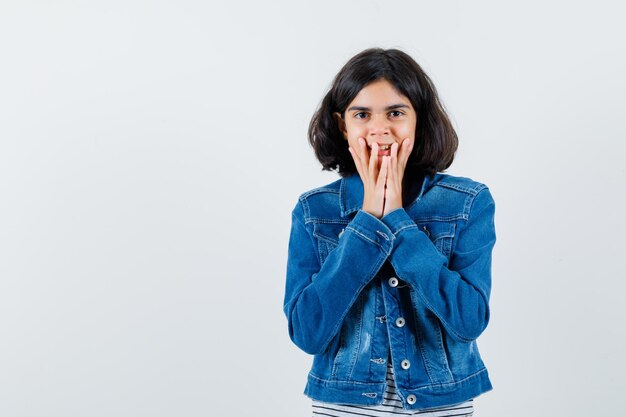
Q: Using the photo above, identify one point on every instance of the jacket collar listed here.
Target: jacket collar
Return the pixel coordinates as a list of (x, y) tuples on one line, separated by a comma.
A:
[(351, 192)]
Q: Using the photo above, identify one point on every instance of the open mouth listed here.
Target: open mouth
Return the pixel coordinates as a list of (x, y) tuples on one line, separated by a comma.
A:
[(384, 150)]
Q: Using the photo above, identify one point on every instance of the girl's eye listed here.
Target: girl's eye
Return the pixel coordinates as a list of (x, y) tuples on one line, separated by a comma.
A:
[(393, 113)]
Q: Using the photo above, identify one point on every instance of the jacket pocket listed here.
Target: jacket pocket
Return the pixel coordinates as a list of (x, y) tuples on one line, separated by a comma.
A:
[(327, 235), (431, 343), (440, 233), (349, 341)]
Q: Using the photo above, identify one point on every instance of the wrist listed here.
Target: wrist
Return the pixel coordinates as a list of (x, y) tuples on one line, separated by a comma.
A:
[(391, 205)]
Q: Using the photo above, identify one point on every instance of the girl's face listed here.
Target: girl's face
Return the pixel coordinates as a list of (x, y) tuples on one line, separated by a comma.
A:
[(378, 113)]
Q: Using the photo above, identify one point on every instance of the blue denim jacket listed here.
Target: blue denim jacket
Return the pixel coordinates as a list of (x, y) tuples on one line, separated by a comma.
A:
[(413, 286)]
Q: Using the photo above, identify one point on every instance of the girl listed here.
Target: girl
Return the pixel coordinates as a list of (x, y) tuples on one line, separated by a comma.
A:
[(389, 267)]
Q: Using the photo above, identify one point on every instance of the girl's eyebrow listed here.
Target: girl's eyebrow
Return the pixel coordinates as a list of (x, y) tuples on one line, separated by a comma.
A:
[(392, 107)]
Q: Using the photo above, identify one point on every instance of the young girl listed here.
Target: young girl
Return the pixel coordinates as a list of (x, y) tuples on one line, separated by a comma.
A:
[(389, 267)]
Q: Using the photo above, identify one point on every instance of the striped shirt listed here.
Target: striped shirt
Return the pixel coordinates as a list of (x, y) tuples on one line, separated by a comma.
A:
[(391, 406)]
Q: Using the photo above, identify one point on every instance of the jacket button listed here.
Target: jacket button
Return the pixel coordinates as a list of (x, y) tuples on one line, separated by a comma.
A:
[(400, 321), (393, 282), (411, 399), (406, 364)]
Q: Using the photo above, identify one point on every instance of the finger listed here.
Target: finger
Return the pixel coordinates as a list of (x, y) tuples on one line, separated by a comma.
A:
[(394, 156), (407, 147), (357, 151), (403, 157), (360, 150), (382, 175), (357, 161), (393, 164), (365, 155), (373, 162), (393, 174)]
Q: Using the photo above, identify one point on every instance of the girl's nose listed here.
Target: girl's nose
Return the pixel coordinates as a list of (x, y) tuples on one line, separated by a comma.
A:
[(379, 125)]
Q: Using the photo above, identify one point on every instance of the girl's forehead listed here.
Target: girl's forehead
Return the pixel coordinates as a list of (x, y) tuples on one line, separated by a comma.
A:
[(379, 96), (380, 90)]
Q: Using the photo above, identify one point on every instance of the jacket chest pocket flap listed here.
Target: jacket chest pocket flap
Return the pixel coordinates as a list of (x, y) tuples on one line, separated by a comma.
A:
[(440, 233), (327, 236)]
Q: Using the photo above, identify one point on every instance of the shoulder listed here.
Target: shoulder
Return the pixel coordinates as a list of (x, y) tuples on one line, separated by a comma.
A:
[(332, 188), (451, 197), (324, 198), (476, 194), (459, 184)]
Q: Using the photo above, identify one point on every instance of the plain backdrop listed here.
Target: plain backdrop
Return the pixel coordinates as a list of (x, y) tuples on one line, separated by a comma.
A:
[(151, 153)]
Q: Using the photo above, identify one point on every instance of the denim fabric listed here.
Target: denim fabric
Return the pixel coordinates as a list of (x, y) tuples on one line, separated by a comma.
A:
[(416, 282)]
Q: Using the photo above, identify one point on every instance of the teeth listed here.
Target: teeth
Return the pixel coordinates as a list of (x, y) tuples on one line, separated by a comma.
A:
[(384, 147)]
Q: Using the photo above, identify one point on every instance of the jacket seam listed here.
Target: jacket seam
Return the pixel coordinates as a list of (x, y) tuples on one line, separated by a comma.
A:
[(456, 382), (468, 190), (409, 226), (304, 205), (429, 386), (484, 296), (474, 199), (364, 237), (322, 220), (314, 376), (319, 190)]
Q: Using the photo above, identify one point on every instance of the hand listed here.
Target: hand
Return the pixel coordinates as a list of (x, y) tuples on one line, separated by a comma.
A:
[(395, 173), (373, 181)]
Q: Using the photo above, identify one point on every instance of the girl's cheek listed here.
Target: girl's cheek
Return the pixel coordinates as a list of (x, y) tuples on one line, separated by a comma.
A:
[(404, 131), (356, 132)]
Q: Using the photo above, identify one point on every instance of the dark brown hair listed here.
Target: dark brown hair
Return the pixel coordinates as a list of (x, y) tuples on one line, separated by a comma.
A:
[(435, 139)]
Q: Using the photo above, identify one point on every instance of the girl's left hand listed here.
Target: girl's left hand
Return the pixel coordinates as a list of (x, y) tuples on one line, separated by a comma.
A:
[(395, 173)]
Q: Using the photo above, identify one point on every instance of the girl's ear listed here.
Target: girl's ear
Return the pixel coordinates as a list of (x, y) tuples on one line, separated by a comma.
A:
[(342, 124)]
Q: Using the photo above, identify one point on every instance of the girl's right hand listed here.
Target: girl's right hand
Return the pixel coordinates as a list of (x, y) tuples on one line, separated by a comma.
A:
[(373, 177)]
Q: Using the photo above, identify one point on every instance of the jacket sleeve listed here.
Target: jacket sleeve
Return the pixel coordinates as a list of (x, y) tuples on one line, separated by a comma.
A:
[(457, 294), (318, 297)]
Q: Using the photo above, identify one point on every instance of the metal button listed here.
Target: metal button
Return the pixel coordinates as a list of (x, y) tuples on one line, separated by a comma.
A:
[(411, 399), (400, 321), (406, 364), (393, 282)]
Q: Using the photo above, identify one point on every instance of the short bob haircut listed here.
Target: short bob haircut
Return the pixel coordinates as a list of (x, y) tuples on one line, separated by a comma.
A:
[(436, 141)]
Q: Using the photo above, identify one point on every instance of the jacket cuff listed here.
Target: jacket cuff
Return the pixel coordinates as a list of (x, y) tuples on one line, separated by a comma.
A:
[(397, 220), (372, 229)]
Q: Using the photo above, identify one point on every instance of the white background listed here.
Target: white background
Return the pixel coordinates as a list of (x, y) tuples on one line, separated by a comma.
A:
[(151, 153)]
